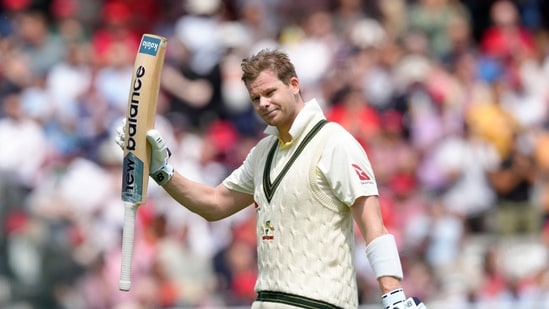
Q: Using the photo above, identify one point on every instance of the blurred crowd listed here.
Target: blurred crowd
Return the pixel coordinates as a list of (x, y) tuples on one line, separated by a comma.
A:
[(449, 98)]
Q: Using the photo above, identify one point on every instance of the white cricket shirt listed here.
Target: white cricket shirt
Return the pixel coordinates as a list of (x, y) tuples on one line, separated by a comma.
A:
[(302, 195)]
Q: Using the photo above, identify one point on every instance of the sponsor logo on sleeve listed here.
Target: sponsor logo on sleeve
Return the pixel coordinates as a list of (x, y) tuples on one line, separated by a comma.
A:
[(362, 176)]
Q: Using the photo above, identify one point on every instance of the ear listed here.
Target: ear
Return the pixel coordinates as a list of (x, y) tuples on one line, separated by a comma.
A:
[(294, 85)]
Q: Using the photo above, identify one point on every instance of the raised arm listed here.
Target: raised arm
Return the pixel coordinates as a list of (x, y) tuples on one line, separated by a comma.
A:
[(212, 203)]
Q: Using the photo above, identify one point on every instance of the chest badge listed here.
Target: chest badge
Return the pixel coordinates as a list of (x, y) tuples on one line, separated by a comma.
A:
[(267, 230)]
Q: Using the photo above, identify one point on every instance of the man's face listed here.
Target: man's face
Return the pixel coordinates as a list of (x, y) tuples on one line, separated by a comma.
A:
[(275, 102)]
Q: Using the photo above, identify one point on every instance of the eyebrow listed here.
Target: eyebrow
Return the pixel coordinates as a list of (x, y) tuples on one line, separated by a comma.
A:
[(254, 96)]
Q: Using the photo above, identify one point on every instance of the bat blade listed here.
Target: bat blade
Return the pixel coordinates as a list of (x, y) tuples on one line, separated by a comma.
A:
[(140, 115)]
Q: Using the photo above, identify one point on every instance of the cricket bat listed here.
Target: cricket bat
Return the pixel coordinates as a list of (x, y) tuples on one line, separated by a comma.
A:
[(140, 115)]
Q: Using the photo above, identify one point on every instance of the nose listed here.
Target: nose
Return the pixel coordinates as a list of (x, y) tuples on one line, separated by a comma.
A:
[(264, 102)]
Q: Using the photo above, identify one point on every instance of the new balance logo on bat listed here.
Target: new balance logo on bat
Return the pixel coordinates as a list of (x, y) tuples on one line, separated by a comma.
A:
[(132, 174), (134, 108)]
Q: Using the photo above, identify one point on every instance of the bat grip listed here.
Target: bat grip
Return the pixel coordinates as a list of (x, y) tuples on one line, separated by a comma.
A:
[(130, 211)]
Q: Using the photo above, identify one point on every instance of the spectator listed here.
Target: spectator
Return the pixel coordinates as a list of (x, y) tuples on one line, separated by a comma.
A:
[(494, 286), (513, 181), (506, 40), (465, 160), (39, 45), (356, 115), (432, 18), (115, 28), (22, 160)]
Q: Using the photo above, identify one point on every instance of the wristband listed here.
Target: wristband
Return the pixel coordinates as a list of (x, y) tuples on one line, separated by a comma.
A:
[(163, 175), (383, 255)]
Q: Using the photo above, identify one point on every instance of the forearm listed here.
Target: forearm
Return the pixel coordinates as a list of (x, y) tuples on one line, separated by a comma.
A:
[(383, 255), (211, 203), (381, 250), (197, 197)]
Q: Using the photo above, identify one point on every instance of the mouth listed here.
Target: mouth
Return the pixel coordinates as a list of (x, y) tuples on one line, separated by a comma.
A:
[(269, 114)]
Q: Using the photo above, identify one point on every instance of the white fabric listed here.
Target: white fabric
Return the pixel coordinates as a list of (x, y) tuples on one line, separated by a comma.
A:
[(270, 305), (113, 85), (308, 212), (383, 255), (24, 149), (66, 83), (471, 192), (343, 181), (394, 299), (160, 170), (201, 36)]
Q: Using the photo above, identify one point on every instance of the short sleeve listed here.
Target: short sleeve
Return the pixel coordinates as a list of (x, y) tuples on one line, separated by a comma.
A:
[(241, 179), (347, 169)]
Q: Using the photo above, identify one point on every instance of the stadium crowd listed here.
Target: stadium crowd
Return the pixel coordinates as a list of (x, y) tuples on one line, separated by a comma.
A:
[(449, 98)]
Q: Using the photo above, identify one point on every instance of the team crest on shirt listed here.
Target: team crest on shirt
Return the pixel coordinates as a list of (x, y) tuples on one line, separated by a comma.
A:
[(267, 230), (361, 173)]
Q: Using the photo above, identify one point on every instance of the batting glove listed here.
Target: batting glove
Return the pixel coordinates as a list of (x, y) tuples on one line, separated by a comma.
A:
[(121, 134), (397, 300), (161, 171)]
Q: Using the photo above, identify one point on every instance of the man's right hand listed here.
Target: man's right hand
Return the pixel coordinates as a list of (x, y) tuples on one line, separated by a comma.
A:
[(160, 170)]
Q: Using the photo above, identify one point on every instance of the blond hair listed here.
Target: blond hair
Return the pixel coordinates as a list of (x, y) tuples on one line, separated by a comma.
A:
[(268, 59)]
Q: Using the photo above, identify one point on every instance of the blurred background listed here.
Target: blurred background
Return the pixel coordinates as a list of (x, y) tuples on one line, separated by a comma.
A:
[(449, 98)]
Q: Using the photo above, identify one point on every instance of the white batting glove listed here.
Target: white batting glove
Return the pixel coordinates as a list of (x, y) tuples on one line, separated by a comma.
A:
[(415, 303), (161, 171), (121, 134), (397, 300)]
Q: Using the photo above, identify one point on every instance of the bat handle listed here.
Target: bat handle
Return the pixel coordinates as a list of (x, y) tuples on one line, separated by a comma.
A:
[(130, 211)]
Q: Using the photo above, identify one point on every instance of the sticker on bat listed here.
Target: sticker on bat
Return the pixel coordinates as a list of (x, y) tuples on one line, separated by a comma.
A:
[(132, 184), (149, 45)]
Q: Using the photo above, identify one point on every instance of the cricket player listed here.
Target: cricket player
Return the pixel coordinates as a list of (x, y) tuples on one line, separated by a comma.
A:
[(308, 180)]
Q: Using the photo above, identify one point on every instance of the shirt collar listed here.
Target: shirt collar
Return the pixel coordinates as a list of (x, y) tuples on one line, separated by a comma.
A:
[(310, 112)]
